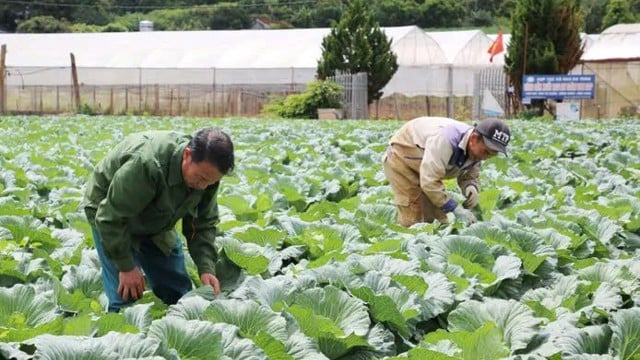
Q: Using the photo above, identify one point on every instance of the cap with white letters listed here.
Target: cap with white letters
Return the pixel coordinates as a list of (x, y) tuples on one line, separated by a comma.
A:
[(495, 133)]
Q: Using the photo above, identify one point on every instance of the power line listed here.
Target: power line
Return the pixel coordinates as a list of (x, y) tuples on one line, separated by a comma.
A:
[(151, 7)]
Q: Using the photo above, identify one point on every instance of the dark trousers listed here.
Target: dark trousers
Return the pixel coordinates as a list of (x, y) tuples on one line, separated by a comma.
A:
[(166, 275)]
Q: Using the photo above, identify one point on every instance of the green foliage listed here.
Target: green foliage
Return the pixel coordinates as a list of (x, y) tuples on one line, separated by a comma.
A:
[(594, 11), (629, 112), (98, 13), (318, 95), (114, 27), (356, 44), (396, 12), (84, 28), (322, 14), (618, 12), (442, 13), (86, 109), (527, 114), (195, 18), (336, 277), (213, 14), (42, 24), (549, 30), (229, 16)]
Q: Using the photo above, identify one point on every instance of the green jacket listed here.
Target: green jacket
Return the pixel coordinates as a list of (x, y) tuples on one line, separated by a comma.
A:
[(137, 193)]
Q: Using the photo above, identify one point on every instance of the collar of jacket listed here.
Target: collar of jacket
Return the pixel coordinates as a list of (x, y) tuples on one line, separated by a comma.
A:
[(175, 168), (459, 156)]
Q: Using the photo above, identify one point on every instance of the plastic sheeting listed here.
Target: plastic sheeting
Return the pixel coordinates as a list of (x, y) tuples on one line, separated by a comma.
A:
[(619, 42), (440, 64)]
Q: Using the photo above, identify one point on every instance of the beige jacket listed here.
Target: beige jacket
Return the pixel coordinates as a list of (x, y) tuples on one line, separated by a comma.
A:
[(435, 148)]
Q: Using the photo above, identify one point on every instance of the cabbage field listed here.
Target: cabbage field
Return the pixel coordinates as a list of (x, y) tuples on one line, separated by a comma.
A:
[(312, 263)]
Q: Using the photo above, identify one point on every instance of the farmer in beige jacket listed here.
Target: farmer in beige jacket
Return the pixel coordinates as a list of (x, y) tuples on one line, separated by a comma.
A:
[(428, 150)]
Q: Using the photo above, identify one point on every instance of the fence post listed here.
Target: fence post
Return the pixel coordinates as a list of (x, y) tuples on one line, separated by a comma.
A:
[(171, 102), (3, 89), (213, 94), (111, 104), (156, 101), (179, 102), (76, 87), (139, 90)]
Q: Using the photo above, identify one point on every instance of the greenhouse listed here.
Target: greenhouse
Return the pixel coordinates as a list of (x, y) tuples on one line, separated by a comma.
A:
[(208, 72), (236, 72)]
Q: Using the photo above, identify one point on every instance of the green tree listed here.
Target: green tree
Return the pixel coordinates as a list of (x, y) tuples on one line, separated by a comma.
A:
[(618, 12), (321, 14), (442, 13), (396, 12), (229, 16), (593, 14), (357, 44), (95, 12), (42, 24), (11, 15), (548, 32)]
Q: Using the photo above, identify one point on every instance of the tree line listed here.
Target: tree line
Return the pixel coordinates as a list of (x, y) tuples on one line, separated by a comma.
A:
[(124, 15)]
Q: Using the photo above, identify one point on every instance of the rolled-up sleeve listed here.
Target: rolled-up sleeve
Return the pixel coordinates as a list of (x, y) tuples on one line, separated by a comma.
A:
[(200, 232), (433, 169), (131, 190)]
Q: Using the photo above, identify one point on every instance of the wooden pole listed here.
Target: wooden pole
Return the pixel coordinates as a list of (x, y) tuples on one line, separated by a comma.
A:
[(111, 104), (526, 41), (171, 102), (395, 103), (74, 77), (156, 101), (3, 93)]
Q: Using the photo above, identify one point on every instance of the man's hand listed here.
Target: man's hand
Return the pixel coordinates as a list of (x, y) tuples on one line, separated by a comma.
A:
[(464, 215), (211, 280), (471, 193), (131, 284)]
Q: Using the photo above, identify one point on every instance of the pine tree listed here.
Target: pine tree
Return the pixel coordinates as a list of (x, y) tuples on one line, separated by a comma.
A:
[(357, 44), (548, 31)]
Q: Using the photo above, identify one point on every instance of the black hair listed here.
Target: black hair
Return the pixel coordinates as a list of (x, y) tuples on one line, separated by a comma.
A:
[(214, 146)]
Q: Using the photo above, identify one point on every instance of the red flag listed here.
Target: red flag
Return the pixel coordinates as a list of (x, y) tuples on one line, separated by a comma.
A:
[(496, 47)]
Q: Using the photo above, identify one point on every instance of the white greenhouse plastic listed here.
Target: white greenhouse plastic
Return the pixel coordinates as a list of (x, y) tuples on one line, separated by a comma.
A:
[(245, 57)]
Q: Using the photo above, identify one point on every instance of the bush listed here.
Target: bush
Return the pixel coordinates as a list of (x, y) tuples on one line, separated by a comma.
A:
[(86, 109), (318, 95), (85, 28), (114, 27), (629, 112), (527, 114), (43, 24)]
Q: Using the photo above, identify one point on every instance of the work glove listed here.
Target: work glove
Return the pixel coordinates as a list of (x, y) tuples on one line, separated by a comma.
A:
[(471, 193), (464, 215)]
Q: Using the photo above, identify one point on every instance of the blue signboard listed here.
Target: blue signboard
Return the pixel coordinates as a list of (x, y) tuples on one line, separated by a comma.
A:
[(558, 86)]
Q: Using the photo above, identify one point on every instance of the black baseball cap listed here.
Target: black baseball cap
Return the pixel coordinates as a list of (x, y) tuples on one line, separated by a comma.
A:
[(495, 133)]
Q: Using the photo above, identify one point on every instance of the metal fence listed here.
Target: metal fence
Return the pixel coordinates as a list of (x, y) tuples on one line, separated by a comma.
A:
[(163, 100), (142, 96), (494, 82), (617, 95), (354, 94)]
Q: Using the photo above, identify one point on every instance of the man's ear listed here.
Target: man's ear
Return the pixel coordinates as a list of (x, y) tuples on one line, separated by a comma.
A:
[(475, 137), (186, 154)]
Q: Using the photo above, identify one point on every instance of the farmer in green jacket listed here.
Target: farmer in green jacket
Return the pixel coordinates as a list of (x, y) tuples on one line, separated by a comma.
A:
[(134, 199)]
